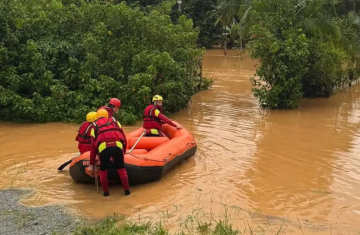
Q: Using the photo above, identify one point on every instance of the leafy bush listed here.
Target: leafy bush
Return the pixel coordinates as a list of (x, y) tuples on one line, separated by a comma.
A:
[(59, 62), (326, 69), (202, 12), (283, 51), (303, 51)]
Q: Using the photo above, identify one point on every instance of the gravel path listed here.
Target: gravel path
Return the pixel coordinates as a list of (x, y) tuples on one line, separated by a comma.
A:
[(18, 219)]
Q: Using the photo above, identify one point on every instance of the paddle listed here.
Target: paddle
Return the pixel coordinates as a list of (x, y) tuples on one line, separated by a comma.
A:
[(137, 141), (65, 164), (96, 179)]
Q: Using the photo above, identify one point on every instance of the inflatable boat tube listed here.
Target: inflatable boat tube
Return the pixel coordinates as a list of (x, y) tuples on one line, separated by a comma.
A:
[(151, 158)]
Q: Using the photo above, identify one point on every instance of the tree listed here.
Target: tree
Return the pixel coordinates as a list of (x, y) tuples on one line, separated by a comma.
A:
[(59, 62), (302, 46)]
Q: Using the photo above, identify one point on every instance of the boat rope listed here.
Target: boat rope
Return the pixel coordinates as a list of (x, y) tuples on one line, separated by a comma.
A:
[(166, 158)]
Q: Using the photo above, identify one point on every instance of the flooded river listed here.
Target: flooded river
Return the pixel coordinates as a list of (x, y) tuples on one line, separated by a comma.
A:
[(298, 165)]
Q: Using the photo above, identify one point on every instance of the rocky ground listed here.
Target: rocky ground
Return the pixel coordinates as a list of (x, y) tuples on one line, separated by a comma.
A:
[(16, 218)]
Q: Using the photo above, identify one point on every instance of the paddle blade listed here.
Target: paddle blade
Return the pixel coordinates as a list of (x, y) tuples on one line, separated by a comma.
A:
[(64, 165)]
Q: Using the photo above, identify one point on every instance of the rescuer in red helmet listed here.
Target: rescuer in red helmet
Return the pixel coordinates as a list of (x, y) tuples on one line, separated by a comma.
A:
[(112, 107)]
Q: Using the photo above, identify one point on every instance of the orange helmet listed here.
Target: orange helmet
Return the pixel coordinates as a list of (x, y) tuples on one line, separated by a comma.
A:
[(102, 113)]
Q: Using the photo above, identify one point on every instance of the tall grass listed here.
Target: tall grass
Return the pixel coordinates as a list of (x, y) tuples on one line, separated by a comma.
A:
[(120, 226), (203, 221), (196, 221), (199, 220)]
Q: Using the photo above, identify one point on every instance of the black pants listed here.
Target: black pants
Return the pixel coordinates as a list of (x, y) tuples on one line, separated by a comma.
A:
[(109, 152), (152, 135)]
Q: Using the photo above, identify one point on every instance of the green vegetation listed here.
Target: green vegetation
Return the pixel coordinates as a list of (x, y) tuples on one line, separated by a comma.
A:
[(307, 48), (194, 220), (202, 12), (232, 221), (118, 225), (204, 15), (282, 58), (59, 61)]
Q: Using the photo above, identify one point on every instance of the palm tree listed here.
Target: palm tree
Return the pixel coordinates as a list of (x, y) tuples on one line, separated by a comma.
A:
[(227, 11), (351, 41), (317, 18)]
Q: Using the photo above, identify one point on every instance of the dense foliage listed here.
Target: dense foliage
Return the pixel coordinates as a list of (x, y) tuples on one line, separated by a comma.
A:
[(306, 48), (278, 49), (59, 61), (202, 12)]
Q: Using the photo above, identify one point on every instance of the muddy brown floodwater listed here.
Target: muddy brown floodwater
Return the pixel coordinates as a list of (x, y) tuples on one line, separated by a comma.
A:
[(300, 165)]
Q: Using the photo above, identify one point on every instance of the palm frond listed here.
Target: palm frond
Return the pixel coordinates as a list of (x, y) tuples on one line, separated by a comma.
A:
[(245, 17), (323, 26), (353, 20)]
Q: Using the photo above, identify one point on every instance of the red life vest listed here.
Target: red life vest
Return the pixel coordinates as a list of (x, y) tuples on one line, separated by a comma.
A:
[(150, 120), (107, 130), (108, 109), (83, 135)]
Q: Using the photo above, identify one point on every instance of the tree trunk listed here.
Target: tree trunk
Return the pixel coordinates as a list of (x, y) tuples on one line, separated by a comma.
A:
[(240, 42), (354, 5)]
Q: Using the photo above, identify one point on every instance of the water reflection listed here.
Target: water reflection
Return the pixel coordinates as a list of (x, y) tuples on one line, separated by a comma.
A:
[(298, 155)]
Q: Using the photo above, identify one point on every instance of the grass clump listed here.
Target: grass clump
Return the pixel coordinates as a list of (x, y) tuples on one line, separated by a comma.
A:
[(117, 225)]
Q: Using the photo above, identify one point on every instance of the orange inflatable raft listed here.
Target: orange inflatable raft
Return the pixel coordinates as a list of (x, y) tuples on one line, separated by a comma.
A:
[(151, 158)]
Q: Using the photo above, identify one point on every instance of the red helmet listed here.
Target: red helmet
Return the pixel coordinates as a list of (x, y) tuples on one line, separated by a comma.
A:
[(115, 102)]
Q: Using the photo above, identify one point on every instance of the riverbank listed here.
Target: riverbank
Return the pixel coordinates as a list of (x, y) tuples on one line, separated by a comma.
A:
[(19, 219), (118, 225)]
